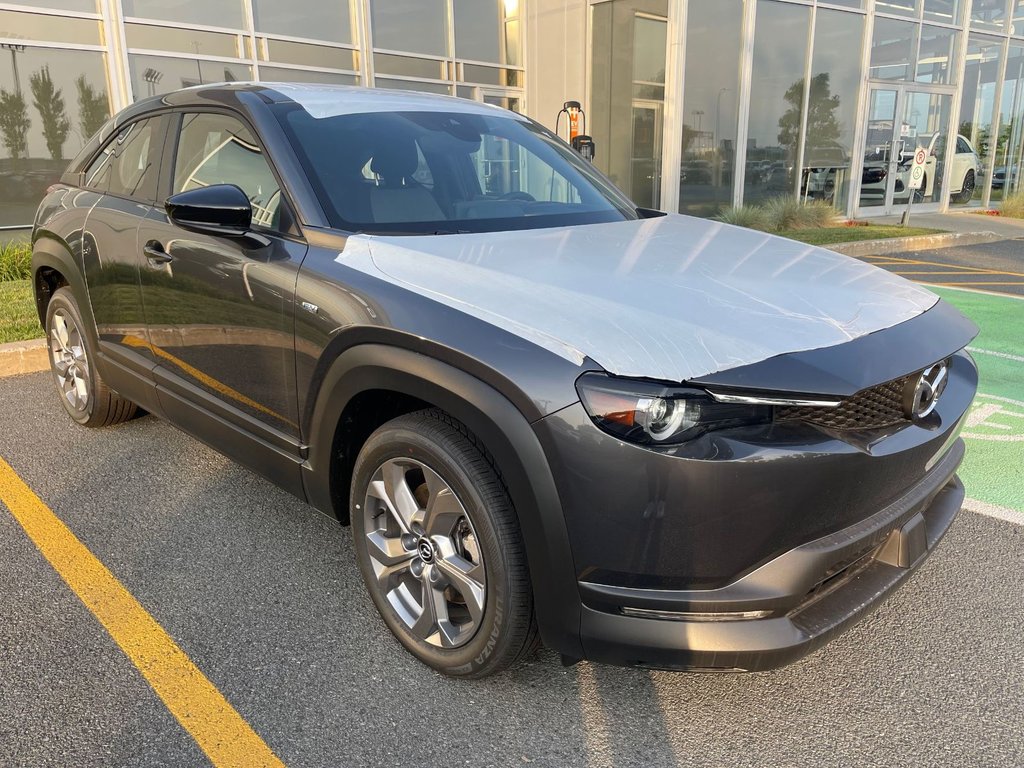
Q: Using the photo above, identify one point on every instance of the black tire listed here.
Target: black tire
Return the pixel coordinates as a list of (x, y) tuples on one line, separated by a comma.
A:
[(89, 401), (431, 439), (967, 191)]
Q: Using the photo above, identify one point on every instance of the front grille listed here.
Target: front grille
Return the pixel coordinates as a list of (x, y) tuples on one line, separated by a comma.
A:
[(873, 408)]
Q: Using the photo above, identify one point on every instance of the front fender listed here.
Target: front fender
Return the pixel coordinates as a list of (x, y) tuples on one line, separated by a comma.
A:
[(508, 437)]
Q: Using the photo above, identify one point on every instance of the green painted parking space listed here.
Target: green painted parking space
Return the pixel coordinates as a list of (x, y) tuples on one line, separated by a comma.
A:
[(994, 468)]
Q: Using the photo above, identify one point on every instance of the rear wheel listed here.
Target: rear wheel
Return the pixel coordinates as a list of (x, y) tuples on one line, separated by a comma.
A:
[(83, 393), (967, 192), (438, 545)]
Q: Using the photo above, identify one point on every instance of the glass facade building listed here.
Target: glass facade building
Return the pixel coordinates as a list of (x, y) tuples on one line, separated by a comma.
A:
[(695, 105), (814, 99)]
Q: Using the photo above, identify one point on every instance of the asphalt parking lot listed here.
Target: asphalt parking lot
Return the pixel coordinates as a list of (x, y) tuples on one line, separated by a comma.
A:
[(262, 595), (993, 266)]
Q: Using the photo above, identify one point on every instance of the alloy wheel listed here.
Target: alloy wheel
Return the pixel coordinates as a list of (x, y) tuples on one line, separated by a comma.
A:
[(70, 362), (424, 553)]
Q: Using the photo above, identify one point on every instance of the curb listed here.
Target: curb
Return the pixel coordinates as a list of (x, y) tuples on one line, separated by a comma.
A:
[(20, 357), (918, 243)]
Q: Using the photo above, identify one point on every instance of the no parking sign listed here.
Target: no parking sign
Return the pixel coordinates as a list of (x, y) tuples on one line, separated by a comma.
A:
[(917, 169)]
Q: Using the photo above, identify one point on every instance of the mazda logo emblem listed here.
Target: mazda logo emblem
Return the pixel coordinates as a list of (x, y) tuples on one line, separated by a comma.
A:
[(924, 390), (426, 550)]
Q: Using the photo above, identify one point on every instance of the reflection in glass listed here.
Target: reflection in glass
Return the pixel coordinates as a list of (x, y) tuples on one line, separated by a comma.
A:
[(152, 75), (832, 107), (417, 26), (776, 101), (211, 13), (626, 115), (942, 11), (412, 85), (482, 31), (900, 7), (925, 121), (989, 15), (1006, 174), (184, 40), (892, 49), (306, 54), (935, 58), (878, 147), (313, 19), (977, 112), (35, 145), (55, 29), (286, 75), (713, 35)]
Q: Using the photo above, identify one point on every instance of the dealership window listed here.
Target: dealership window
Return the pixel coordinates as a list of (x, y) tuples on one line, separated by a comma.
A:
[(710, 106), (776, 101), (51, 102), (488, 30), (626, 116), (207, 13), (989, 15), (977, 109), (152, 75), (935, 58), (416, 26), (1006, 171), (893, 50), (832, 107), (311, 19)]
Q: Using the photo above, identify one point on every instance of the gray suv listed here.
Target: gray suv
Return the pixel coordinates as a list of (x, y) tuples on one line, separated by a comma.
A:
[(547, 414)]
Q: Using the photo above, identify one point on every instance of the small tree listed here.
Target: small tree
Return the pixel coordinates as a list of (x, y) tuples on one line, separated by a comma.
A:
[(14, 123), (93, 108), (822, 125), (49, 102)]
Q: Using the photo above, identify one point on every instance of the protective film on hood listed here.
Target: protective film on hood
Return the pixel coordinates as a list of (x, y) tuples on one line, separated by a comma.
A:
[(670, 298)]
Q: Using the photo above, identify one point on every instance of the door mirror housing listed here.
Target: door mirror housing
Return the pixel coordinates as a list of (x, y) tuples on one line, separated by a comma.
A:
[(219, 209)]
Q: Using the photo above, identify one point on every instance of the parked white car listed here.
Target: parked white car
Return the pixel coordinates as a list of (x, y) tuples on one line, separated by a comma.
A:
[(963, 170)]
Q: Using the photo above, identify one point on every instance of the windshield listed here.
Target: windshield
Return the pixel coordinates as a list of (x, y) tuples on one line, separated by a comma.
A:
[(446, 173)]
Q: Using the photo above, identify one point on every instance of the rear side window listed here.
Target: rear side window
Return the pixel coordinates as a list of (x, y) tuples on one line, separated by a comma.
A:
[(962, 147), (127, 165), (218, 149)]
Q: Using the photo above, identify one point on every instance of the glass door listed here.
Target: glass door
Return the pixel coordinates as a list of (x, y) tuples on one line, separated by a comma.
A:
[(902, 119), (645, 162)]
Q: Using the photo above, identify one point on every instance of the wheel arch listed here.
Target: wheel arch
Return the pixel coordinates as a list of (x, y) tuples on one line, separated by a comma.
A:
[(414, 380), (53, 267)]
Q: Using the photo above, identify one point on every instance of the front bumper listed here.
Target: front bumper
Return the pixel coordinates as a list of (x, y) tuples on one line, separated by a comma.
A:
[(812, 592)]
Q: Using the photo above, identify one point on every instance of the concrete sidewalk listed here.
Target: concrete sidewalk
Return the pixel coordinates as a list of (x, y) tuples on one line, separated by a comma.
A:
[(964, 223)]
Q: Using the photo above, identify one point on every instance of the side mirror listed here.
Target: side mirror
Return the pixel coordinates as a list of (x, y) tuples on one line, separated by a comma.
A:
[(219, 209)]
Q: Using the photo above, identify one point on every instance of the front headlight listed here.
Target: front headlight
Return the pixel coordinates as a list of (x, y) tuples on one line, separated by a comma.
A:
[(655, 414)]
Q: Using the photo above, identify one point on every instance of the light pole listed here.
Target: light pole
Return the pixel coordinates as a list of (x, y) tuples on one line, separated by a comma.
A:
[(15, 49), (718, 131), (152, 78)]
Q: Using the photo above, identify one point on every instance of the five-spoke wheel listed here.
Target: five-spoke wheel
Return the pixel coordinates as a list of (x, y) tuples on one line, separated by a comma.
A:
[(424, 552), (439, 547)]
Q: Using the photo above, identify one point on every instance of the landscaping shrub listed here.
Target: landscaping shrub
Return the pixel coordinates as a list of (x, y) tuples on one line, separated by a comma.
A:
[(749, 216), (15, 258), (1013, 206), (781, 214)]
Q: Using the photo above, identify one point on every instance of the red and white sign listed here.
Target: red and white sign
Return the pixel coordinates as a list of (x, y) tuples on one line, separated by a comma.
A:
[(917, 169)]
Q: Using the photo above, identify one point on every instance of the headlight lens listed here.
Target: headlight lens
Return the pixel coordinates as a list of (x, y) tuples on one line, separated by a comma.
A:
[(654, 414)]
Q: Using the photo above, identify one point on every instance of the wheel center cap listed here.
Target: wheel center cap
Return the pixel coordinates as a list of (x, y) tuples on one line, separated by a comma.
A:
[(426, 550)]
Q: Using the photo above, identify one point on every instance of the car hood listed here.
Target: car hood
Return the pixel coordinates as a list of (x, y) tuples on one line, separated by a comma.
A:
[(670, 298)]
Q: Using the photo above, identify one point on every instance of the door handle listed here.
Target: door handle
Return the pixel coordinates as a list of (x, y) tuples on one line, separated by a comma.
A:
[(156, 254)]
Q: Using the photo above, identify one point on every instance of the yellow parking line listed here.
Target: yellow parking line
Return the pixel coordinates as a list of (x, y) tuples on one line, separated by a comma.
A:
[(892, 260), (968, 284), (201, 709), (940, 272)]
